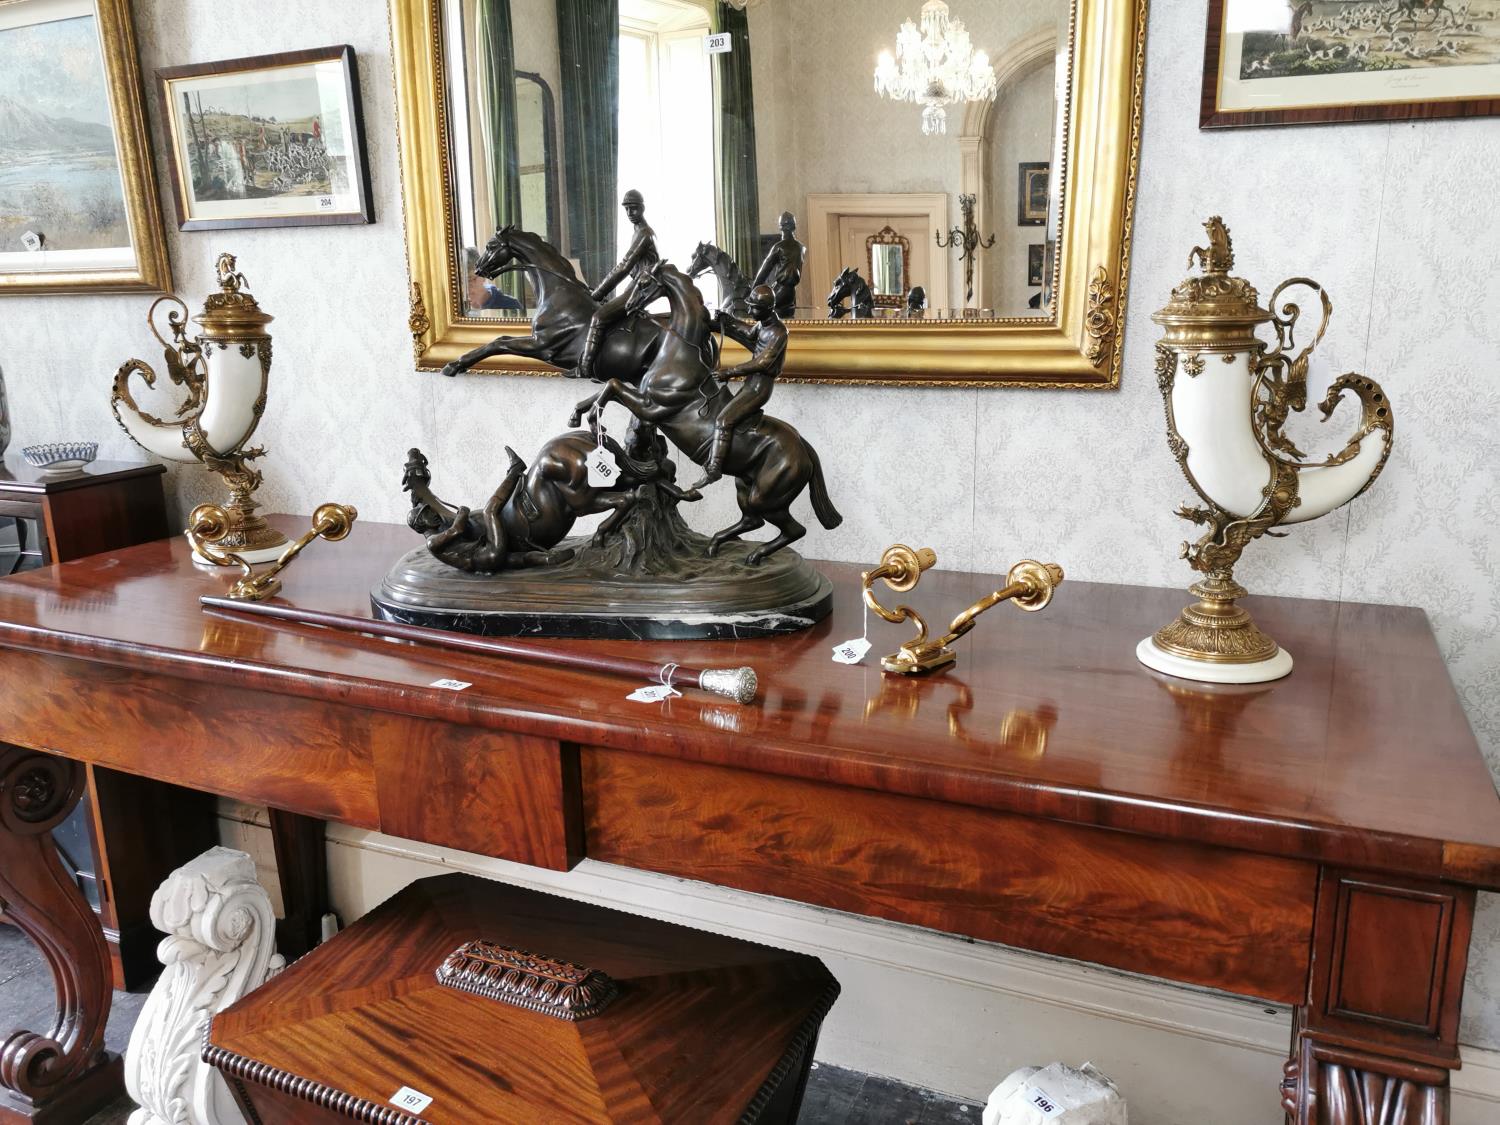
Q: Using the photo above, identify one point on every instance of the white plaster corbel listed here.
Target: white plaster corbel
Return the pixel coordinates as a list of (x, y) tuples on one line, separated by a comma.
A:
[(220, 945)]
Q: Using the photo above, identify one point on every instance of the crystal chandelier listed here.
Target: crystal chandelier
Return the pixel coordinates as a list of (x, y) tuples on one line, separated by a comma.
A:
[(935, 66)]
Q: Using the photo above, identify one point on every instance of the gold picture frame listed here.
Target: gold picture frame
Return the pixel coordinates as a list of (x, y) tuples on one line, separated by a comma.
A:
[(148, 267), (1079, 343)]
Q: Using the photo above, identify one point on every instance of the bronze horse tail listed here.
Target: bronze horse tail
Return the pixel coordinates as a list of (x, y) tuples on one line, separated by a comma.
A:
[(827, 514)]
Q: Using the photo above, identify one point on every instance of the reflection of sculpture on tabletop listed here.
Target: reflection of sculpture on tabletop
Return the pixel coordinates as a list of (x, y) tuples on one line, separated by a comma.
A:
[(916, 302), (637, 263), (967, 241), (680, 393), (855, 289), (765, 336), (782, 269)]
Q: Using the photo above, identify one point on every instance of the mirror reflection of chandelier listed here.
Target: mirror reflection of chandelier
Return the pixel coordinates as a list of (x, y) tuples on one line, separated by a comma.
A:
[(935, 66)]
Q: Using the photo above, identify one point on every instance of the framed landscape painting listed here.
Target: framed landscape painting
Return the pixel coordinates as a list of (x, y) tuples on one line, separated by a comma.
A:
[(78, 207), (1287, 62), (271, 141)]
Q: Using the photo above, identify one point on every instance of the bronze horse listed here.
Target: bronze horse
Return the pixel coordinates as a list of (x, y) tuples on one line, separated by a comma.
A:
[(771, 462), (850, 286), (535, 507), (564, 307)]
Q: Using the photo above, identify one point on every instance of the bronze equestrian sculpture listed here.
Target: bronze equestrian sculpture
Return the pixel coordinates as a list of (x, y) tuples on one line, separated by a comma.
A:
[(535, 508), (850, 286), (734, 286), (680, 394), (639, 259), (782, 269), (766, 339), (563, 316)]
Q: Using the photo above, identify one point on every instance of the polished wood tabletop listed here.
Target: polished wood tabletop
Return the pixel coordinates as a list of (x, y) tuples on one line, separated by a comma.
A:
[(1362, 757)]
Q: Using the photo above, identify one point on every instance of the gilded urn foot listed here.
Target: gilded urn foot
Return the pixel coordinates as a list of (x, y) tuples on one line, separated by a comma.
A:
[(1215, 641)]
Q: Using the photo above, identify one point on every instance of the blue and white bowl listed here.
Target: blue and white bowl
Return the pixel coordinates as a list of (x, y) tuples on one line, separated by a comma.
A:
[(60, 458)]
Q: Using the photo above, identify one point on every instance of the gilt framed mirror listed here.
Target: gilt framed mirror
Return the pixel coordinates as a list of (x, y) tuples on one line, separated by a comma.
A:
[(747, 122)]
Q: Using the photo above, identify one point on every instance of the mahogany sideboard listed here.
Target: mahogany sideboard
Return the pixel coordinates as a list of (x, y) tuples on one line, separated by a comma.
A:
[(128, 833), (1317, 841)]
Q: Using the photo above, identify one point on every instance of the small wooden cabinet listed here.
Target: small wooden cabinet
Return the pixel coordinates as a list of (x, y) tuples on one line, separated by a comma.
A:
[(129, 832)]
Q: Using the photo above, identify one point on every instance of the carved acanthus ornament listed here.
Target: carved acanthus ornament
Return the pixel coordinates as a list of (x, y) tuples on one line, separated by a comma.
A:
[(220, 946), (418, 322), (1100, 319)]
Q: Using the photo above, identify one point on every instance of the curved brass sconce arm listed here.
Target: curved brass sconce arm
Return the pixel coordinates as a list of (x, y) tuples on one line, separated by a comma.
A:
[(1029, 584), (209, 523)]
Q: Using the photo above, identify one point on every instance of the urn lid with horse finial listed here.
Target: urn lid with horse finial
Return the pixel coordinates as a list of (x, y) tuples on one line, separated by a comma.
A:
[(1214, 311), (232, 313)]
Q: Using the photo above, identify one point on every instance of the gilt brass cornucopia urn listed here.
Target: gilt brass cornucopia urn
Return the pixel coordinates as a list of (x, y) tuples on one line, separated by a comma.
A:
[(225, 369), (1228, 398)]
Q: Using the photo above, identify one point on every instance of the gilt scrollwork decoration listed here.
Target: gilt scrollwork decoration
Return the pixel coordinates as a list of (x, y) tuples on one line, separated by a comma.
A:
[(209, 525), (418, 322), (1029, 585)]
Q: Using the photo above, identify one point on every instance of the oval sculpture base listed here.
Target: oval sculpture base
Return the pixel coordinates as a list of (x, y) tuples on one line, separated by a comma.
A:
[(1257, 672), (699, 598)]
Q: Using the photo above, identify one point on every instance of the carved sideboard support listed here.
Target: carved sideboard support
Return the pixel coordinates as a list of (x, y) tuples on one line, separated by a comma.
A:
[(1379, 1033), (1330, 1085), (220, 944), (63, 1074)]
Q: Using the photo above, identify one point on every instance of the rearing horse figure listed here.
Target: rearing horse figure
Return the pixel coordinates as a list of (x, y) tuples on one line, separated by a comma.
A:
[(564, 307), (679, 394)]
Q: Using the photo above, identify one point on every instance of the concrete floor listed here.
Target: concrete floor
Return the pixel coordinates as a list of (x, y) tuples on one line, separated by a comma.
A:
[(835, 1096)]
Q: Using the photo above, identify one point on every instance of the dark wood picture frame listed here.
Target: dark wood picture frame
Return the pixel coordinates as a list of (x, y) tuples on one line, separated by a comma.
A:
[(1035, 253), (359, 170), (1027, 213), (1210, 116)]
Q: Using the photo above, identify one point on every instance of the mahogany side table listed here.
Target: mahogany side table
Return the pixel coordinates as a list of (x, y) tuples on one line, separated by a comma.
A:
[(1317, 841), (128, 833)]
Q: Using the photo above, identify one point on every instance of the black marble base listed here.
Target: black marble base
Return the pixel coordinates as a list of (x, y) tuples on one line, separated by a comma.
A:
[(700, 598)]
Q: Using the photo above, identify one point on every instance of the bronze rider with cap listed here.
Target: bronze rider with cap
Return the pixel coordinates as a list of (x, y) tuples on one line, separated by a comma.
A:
[(637, 264), (766, 339)]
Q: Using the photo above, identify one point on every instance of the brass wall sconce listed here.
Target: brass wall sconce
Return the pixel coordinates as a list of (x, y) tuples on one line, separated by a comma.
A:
[(209, 525), (1029, 585)]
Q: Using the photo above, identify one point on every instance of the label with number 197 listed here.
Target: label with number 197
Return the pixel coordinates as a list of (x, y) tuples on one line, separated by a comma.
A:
[(407, 1098)]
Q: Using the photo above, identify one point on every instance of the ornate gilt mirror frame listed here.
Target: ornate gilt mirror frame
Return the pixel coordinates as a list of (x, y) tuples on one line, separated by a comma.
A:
[(887, 236), (1081, 345)]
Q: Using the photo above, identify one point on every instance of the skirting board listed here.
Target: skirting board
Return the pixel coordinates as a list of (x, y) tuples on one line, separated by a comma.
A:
[(924, 1007)]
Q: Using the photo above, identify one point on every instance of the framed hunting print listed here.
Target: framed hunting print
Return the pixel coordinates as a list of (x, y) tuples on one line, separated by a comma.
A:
[(276, 140), (1287, 62)]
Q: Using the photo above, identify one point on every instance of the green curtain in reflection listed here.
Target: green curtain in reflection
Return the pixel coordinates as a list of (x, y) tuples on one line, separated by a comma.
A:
[(495, 47), (588, 37), (739, 191)]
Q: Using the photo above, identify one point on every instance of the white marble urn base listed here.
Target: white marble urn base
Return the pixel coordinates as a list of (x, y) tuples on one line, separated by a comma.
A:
[(255, 558), (1259, 672)]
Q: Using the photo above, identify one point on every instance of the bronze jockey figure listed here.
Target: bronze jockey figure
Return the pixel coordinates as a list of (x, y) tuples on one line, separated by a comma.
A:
[(766, 338), (639, 260), (782, 269)]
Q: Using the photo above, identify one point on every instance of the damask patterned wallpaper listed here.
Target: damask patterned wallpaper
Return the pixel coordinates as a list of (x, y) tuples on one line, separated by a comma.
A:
[(1397, 220)]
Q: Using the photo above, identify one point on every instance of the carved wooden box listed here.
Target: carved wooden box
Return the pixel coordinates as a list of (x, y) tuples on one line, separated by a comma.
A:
[(461, 1000)]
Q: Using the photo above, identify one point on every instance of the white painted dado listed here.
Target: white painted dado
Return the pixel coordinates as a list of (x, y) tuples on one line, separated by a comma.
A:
[(1396, 220)]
